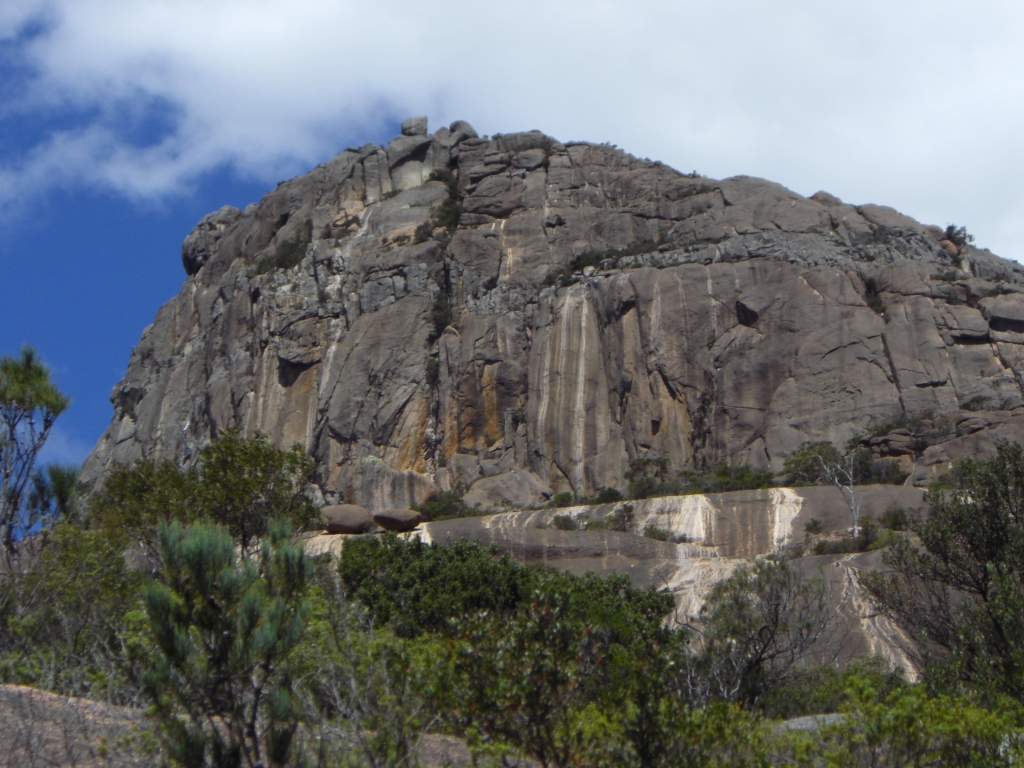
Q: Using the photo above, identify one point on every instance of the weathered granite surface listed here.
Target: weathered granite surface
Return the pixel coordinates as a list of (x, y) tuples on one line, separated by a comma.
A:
[(716, 533), (602, 307)]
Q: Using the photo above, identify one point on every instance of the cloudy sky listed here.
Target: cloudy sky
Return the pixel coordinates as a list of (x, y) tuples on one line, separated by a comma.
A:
[(122, 122)]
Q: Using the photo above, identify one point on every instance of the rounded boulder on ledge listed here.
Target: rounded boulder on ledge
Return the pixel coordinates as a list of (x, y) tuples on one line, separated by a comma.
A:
[(398, 520), (346, 518)]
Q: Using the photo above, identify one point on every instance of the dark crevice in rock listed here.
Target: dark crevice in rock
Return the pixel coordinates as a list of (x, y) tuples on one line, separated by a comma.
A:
[(892, 373), (1006, 325), (745, 314), (288, 372), (970, 338)]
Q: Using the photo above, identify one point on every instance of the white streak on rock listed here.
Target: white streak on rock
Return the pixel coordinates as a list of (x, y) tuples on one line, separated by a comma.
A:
[(679, 515), (786, 506)]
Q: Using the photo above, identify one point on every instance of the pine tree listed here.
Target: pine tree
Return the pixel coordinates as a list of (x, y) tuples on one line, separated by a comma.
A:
[(225, 626), (29, 405)]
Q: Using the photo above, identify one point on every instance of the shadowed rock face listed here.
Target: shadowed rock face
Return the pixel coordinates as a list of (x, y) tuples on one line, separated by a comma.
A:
[(600, 307)]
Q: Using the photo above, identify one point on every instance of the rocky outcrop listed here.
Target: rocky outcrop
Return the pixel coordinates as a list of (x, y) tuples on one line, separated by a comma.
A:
[(587, 308)]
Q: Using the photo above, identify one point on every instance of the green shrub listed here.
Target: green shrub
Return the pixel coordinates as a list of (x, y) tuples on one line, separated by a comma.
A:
[(447, 215), (647, 476), (895, 518), (416, 587), (578, 263), (289, 253), (958, 236), (947, 275), (423, 232), (826, 688), (866, 537), (804, 466), (241, 483), (432, 371), (976, 403), (814, 526), (653, 531), (448, 179), (565, 523), (518, 416), (563, 499), (441, 314), (958, 584), (726, 477), (607, 496), (490, 283), (445, 505), (621, 520), (70, 622)]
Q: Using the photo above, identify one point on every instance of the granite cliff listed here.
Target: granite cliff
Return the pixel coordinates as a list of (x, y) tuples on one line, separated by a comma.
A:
[(515, 317)]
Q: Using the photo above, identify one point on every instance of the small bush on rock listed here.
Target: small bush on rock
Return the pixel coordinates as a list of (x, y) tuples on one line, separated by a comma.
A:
[(565, 523), (445, 505)]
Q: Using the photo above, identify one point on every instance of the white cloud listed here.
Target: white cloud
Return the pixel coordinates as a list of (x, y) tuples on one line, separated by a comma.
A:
[(912, 104), (61, 447)]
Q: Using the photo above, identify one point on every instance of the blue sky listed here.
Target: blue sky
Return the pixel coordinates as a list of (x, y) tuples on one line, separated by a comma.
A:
[(123, 122)]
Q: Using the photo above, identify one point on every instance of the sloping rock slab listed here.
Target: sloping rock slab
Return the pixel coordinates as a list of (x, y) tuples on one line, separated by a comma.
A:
[(737, 524), (646, 561), (41, 728)]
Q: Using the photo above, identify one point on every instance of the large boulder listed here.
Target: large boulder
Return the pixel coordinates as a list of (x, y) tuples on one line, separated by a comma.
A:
[(380, 487), (518, 488), (398, 520), (346, 518), (415, 126)]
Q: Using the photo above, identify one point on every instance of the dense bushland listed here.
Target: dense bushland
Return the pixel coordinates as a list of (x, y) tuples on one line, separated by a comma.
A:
[(187, 592)]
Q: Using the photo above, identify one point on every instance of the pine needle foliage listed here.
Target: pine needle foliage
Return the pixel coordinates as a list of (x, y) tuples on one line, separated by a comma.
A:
[(225, 626)]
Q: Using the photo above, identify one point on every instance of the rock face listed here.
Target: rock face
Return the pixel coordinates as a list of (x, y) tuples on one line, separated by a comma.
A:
[(588, 308)]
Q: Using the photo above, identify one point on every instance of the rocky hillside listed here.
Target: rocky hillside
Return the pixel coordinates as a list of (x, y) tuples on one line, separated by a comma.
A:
[(516, 317)]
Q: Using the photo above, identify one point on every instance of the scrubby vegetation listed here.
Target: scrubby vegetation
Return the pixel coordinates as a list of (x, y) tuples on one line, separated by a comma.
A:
[(289, 253), (441, 313), (599, 259), (810, 464), (186, 591), (353, 660), (650, 476), (958, 236), (447, 214), (444, 506)]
